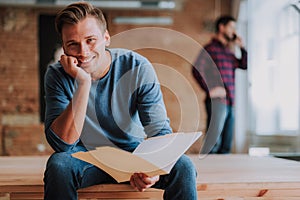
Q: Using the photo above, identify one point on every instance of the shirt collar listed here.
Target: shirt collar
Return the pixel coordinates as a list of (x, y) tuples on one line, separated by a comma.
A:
[(215, 40)]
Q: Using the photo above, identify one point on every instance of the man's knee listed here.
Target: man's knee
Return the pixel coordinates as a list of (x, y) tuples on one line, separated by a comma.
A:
[(185, 167), (59, 164)]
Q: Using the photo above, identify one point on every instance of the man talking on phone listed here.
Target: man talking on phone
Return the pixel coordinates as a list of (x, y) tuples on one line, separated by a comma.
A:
[(214, 70)]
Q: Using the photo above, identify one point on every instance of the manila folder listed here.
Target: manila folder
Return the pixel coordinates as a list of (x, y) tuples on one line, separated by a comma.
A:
[(154, 156)]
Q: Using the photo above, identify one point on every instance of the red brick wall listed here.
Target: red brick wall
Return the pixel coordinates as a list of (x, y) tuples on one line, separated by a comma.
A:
[(19, 61), (25, 140)]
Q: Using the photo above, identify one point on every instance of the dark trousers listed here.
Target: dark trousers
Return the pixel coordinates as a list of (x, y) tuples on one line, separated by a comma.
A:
[(220, 127)]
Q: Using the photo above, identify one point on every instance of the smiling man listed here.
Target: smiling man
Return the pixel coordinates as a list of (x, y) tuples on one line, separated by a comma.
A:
[(98, 96)]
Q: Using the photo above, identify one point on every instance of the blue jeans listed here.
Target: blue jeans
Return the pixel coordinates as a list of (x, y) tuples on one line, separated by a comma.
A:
[(220, 127), (65, 174)]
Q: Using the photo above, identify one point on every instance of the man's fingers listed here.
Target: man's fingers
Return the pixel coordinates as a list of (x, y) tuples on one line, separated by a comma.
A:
[(70, 65), (141, 181), (146, 179), (132, 183), (137, 183)]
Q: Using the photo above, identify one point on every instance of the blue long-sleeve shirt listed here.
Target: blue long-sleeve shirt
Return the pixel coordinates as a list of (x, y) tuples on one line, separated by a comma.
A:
[(124, 106)]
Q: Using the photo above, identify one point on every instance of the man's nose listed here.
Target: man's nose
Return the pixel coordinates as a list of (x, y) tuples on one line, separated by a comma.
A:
[(84, 50)]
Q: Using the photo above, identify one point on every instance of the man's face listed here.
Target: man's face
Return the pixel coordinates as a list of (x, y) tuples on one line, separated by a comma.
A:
[(86, 42), (228, 30)]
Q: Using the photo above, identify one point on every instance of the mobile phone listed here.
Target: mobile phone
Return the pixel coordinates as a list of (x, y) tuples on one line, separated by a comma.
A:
[(234, 37)]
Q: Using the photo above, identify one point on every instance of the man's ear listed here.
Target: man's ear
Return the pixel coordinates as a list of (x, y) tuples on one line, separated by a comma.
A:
[(107, 38), (221, 28), (63, 50)]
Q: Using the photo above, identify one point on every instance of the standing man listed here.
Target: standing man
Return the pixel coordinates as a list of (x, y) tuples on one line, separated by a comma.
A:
[(214, 70), (98, 96)]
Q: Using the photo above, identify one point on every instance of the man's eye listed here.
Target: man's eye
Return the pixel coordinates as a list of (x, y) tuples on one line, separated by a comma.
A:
[(72, 44), (91, 40)]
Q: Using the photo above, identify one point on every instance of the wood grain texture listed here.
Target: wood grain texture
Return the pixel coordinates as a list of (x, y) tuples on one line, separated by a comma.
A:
[(220, 177)]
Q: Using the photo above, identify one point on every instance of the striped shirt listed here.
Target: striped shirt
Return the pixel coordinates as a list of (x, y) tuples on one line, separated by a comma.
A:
[(215, 66)]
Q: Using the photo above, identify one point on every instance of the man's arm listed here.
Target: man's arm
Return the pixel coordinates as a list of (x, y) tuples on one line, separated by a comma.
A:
[(69, 124), (66, 106), (150, 105), (208, 77), (244, 58), (153, 116)]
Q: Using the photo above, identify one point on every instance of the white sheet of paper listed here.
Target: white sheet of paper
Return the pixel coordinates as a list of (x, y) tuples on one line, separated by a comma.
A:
[(164, 151)]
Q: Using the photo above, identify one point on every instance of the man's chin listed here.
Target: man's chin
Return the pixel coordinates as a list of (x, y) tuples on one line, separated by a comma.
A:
[(84, 65), (227, 38)]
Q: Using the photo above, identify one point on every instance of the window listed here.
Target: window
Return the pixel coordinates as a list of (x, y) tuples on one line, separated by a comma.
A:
[(274, 54), (288, 70)]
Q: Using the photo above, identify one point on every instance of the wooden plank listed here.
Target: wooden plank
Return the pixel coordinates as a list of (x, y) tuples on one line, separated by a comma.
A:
[(219, 177), (256, 185), (121, 195), (4, 196), (234, 168), (242, 192), (22, 170), (250, 198), (26, 196), (22, 188), (113, 187), (118, 191)]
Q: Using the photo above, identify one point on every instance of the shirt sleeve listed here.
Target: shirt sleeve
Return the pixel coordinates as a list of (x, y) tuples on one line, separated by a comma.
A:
[(206, 72), (150, 104), (197, 70), (58, 94), (243, 64)]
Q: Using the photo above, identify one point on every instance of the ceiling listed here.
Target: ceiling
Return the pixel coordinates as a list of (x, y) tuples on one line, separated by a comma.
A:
[(104, 4)]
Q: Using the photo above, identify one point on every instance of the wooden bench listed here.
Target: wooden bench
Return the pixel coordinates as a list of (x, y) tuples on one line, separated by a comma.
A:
[(220, 177)]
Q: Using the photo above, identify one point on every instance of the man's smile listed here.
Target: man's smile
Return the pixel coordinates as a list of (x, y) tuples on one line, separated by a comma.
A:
[(86, 61)]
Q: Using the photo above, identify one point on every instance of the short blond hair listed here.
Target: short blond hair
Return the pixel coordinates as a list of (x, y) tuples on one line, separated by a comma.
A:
[(76, 12)]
